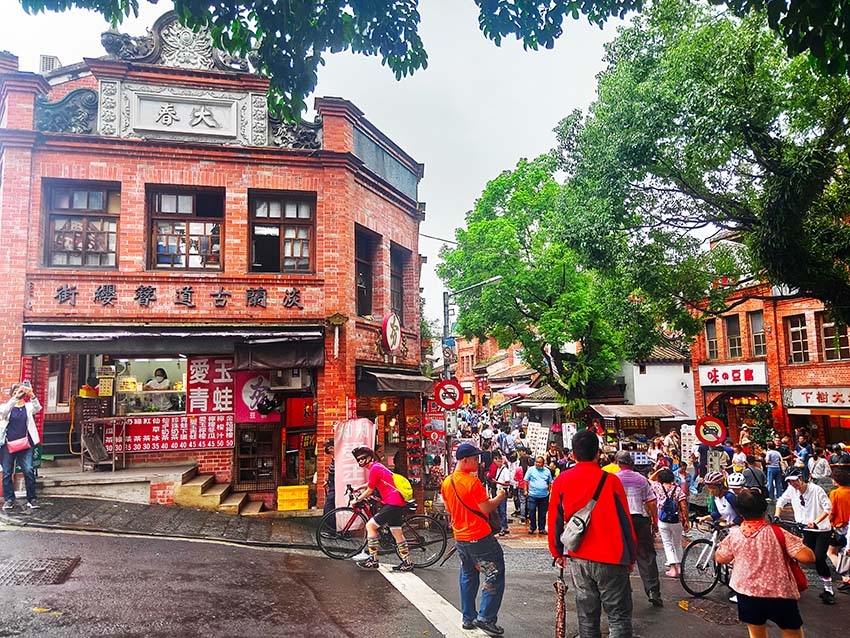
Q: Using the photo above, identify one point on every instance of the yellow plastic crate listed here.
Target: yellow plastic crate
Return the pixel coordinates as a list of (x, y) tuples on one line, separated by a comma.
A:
[(292, 497)]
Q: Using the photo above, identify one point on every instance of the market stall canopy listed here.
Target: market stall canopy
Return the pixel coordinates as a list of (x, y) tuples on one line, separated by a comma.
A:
[(535, 405), (517, 390), (140, 340), (371, 381), (636, 411)]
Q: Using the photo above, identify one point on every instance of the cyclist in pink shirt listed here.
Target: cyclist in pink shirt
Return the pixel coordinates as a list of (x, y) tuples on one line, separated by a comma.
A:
[(392, 512)]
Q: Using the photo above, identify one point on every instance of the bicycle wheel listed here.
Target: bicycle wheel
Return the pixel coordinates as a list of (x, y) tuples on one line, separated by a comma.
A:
[(699, 573), (345, 538), (426, 539)]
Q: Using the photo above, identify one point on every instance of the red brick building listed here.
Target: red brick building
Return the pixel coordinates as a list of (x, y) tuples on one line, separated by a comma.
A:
[(154, 216), (776, 349)]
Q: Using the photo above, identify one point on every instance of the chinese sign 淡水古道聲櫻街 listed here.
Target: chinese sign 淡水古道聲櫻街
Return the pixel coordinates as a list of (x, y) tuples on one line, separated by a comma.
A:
[(145, 296)]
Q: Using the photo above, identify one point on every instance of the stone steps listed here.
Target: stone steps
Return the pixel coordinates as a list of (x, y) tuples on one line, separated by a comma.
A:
[(204, 493)]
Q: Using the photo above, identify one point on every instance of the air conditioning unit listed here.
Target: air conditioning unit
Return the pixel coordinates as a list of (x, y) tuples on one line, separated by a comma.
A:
[(47, 63), (290, 379)]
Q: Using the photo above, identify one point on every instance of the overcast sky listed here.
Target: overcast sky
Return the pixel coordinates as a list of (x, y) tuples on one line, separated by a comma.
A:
[(471, 114)]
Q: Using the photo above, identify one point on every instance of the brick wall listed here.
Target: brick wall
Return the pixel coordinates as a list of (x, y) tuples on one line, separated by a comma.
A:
[(345, 195), (781, 374)]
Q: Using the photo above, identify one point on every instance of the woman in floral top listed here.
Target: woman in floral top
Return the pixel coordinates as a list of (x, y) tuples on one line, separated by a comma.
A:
[(762, 576)]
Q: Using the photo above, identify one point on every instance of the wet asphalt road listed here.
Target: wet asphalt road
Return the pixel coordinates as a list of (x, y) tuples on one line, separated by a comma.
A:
[(140, 587), (152, 588)]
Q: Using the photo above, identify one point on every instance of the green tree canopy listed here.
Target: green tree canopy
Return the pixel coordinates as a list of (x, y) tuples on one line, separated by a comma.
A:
[(702, 122), (545, 300), (290, 37)]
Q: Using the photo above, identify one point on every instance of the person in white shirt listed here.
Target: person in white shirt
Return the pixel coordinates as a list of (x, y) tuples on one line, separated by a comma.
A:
[(503, 479), (811, 508), (161, 402)]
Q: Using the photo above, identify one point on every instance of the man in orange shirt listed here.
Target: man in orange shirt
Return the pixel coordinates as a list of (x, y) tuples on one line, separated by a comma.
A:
[(479, 551)]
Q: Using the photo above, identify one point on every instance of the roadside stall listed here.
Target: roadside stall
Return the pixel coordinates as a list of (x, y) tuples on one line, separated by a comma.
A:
[(630, 427)]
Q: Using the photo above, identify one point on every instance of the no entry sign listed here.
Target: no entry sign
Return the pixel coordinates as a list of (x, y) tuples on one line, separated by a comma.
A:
[(711, 430), (448, 394)]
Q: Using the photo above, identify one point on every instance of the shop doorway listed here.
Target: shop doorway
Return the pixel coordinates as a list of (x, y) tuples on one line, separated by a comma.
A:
[(257, 457), (299, 457)]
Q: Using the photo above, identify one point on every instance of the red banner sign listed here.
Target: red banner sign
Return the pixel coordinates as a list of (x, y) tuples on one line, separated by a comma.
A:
[(209, 386), (166, 433)]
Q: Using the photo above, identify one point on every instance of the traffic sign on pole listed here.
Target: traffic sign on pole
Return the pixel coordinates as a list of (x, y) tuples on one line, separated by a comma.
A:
[(448, 394)]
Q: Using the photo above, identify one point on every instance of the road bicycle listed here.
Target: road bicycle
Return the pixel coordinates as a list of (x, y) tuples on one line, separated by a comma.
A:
[(700, 572), (342, 532)]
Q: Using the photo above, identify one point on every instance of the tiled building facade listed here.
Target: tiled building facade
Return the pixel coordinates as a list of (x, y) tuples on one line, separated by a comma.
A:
[(151, 210)]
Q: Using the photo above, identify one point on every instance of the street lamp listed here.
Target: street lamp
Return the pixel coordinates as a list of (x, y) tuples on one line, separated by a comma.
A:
[(446, 330)]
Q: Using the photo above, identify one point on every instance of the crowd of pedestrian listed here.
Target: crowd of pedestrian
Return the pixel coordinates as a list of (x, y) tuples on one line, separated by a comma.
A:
[(555, 493)]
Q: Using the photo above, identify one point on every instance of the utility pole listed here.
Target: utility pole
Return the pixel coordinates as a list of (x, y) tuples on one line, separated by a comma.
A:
[(451, 415)]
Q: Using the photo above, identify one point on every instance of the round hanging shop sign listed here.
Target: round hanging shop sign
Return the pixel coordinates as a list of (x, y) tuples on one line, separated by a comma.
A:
[(710, 430), (448, 394), (391, 333)]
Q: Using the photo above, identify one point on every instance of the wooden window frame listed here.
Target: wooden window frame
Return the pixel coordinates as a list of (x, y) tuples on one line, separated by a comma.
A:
[(283, 224), (827, 341), (206, 249), (758, 339), (398, 262), (734, 345), (364, 271), (797, 339), (711, 349), (79, 233)]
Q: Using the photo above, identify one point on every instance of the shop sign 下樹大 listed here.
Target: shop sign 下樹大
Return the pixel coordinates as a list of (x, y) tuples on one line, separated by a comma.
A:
[(817, 398)]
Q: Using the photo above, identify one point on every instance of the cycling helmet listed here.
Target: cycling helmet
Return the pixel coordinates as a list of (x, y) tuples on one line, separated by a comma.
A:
[(714, 478), (737, 480), (362, 450)]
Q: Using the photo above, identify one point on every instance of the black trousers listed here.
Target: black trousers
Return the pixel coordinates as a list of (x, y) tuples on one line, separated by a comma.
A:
[(646, 560), (818, 542)]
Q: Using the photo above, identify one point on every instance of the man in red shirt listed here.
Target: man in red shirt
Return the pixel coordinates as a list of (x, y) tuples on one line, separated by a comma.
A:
[(479, 551), (601, 565)]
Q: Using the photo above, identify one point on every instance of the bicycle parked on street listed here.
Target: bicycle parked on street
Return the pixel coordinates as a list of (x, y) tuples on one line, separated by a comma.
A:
[(700, 572), (342, 532)]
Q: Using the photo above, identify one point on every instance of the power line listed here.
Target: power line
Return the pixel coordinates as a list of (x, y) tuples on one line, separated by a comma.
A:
[(447, 241)]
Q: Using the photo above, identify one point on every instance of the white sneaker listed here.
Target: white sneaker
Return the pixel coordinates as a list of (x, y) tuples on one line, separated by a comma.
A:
[(360, 556)]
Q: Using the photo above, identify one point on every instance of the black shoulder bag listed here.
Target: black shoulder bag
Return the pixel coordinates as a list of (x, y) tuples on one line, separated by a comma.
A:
[(494, 520)]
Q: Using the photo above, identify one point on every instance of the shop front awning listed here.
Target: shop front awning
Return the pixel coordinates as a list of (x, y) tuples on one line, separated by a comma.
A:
[(536, 405), (372, 381), (633, 411), (172, 340)]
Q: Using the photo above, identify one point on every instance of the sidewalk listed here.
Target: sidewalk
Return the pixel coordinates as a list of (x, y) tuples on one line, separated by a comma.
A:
[(96, 515)]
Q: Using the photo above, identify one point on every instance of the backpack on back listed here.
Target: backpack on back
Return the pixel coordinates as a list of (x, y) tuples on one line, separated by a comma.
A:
[(669, 510), (403, 486)]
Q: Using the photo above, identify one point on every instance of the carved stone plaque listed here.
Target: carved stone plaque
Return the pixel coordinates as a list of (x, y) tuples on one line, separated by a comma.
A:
[(180, 113)]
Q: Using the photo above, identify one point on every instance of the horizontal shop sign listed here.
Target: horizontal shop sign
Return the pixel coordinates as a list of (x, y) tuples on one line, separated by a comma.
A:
[(725, 374), (817, 397)]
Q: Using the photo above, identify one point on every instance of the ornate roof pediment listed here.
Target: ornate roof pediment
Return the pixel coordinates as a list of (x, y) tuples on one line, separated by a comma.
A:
[(168, 43)]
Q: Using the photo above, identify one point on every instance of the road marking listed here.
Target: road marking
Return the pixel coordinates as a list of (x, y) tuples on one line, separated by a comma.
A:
[(436, 609)]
